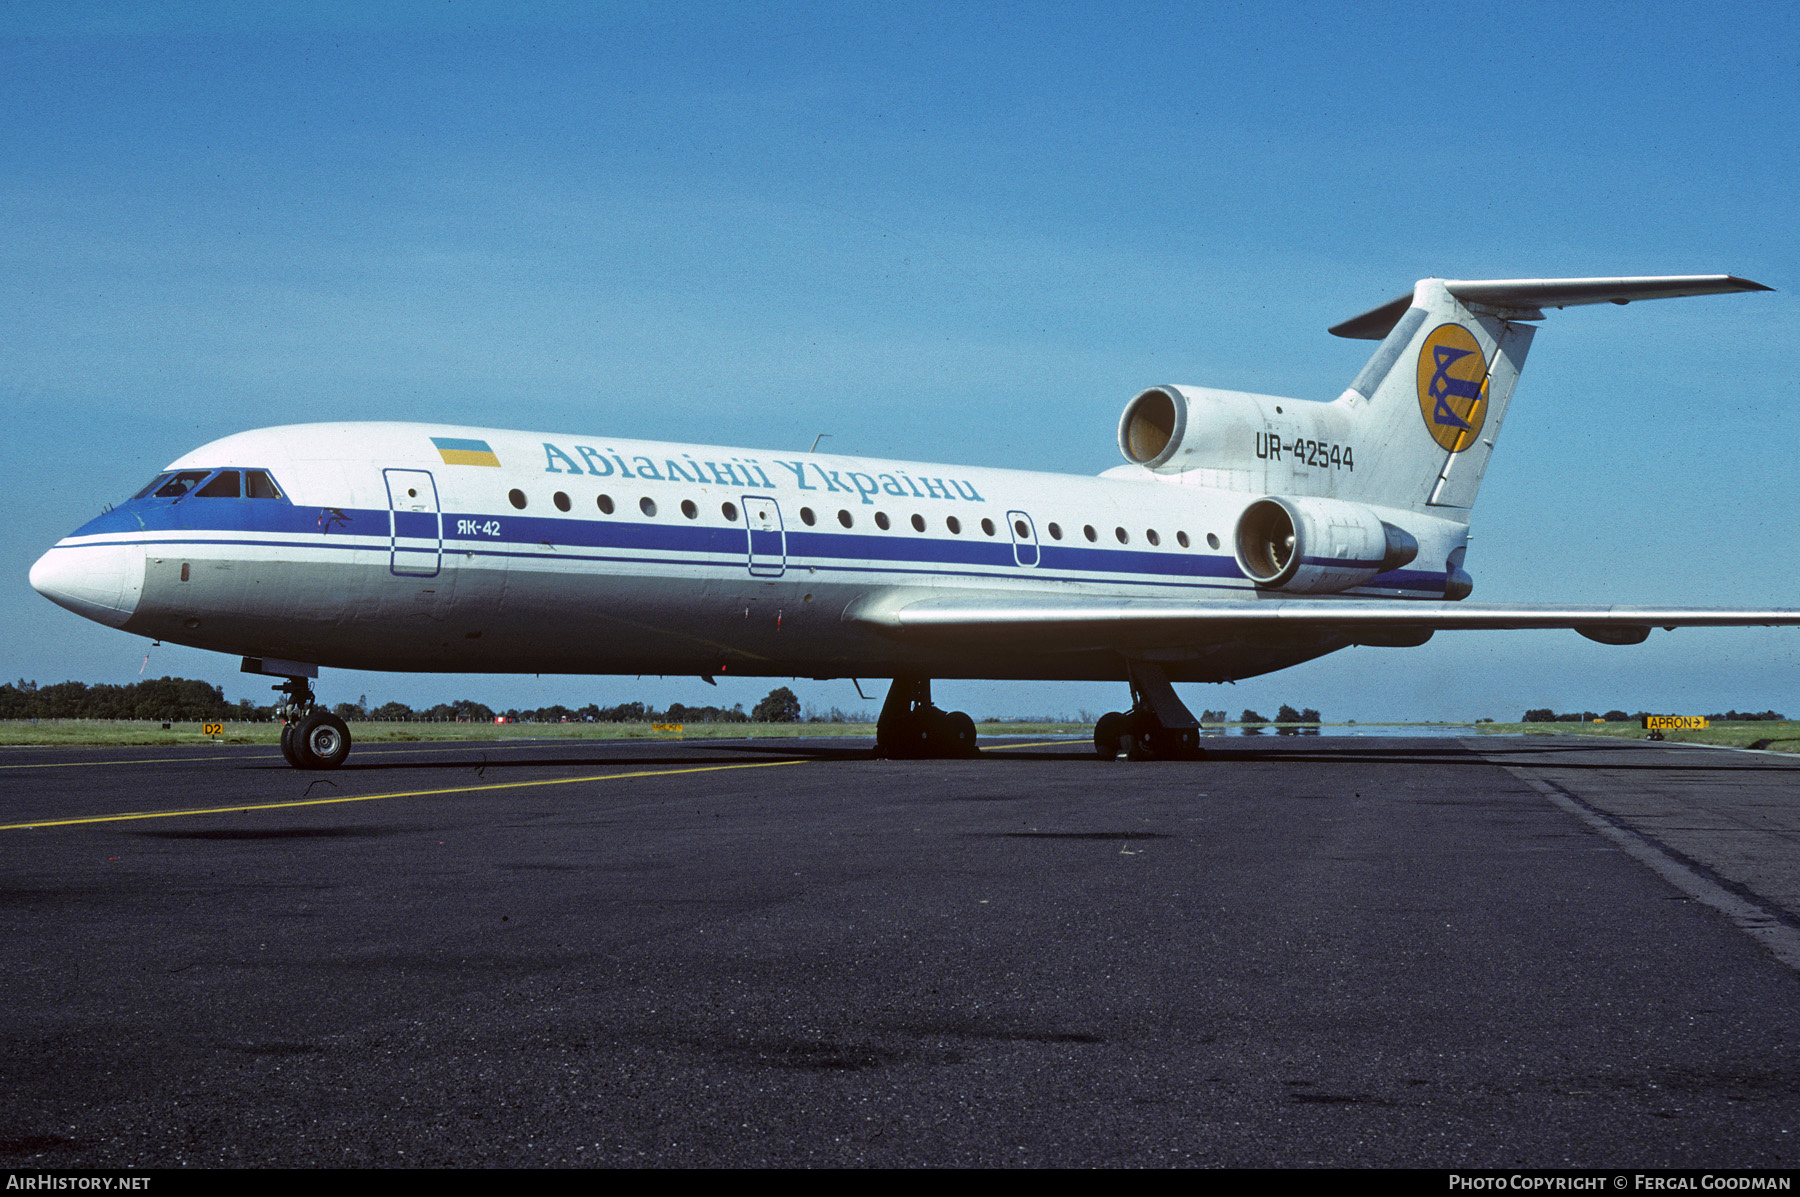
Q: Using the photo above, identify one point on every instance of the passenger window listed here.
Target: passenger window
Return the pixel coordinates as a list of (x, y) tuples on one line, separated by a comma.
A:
[(561, 500), (729, 511), (954, 524), (844, 518), (1181, 539), (1212, 541), (688, 509), (604, 503), (807, 517), (1123, 535), (881, 520), (1152, 537), (647, 505), (1088, 531), (1055, 532), (516, 498), (987, 525), (1022, 529), (918, 523), (258, 485), (180, 484)]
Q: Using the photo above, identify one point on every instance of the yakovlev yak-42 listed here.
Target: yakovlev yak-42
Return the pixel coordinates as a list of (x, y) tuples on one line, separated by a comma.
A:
[(1247, 533)]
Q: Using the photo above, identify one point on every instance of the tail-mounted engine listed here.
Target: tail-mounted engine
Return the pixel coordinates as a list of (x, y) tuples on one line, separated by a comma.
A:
[(1171, 429), (1317, 546)]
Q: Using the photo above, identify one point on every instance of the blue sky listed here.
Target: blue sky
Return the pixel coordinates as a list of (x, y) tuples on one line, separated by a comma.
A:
[(965, 234)]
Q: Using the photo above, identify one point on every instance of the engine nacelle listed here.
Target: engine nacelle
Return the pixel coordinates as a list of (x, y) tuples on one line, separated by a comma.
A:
[(1317, 546), (1171, 429)]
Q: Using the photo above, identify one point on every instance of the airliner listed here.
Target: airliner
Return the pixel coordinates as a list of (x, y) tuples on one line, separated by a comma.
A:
[(1245, 533)]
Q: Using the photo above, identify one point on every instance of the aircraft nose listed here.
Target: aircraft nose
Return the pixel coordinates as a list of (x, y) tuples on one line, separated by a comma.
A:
[(101, 582)]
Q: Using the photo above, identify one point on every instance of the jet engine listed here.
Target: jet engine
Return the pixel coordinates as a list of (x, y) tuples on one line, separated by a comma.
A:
[(1317, 546), (1170, 429)]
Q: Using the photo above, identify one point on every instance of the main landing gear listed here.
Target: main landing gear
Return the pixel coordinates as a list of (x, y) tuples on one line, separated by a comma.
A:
[(311, 736), (1157, 727), (911, 728)]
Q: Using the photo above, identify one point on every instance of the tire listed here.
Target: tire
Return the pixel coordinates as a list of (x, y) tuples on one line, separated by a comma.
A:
[(960, 734), (321, 741), (287, 745), (1178, 744), (906, 739), (1106, 735)]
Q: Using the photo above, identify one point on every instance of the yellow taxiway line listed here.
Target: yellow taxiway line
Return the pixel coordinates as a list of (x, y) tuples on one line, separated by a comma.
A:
[(241, 808)]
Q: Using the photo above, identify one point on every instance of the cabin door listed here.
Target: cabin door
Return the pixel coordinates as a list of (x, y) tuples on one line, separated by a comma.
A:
[(768, 543), (416, 538), (1024, 538)]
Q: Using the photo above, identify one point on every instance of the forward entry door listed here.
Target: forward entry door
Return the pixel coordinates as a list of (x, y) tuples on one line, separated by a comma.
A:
[(417, 539)]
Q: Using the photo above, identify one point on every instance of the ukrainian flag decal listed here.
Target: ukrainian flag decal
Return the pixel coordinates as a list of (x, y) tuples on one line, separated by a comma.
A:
[(462, 452)]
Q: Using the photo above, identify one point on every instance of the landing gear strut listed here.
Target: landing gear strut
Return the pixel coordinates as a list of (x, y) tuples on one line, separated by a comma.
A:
[(311, 736), (910, 727), (1157, 727)]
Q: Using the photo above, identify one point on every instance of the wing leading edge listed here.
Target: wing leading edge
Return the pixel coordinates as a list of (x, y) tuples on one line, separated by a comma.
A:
[(1074, 623)]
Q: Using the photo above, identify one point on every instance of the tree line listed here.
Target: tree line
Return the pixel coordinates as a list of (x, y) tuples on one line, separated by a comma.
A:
[(166, 698), (183, 700), (1286, 714)]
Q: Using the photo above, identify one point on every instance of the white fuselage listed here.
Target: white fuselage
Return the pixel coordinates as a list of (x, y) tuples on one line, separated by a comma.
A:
[(414, 547)]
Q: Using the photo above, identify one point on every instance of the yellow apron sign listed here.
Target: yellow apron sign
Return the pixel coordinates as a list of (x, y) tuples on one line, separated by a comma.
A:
[(1675, 723)]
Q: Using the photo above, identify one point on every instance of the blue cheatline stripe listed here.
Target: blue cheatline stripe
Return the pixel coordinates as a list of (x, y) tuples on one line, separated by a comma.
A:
[(333, 528), (416, 524), (734, 560)]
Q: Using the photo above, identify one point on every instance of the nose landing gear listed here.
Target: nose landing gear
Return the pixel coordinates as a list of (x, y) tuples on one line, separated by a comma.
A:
[(311, 736)]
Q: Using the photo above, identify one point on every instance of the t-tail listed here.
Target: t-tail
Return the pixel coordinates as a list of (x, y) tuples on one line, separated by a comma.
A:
[(1416, 428)]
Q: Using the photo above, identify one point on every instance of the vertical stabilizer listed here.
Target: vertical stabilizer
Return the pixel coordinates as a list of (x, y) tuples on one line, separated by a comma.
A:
[(1430, 402)]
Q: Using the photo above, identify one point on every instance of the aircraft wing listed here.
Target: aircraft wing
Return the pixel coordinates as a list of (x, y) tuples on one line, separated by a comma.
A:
[(1075, 622)]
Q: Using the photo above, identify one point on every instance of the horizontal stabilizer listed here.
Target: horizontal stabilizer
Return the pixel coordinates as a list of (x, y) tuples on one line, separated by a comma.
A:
[(1529, 294)]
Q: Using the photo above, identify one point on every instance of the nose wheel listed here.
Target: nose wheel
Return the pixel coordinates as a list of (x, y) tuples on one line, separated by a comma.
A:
[(311, 736)]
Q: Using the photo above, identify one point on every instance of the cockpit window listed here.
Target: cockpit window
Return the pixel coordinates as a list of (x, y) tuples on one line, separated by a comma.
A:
[(223, 486), (258, 485), (180, 484)]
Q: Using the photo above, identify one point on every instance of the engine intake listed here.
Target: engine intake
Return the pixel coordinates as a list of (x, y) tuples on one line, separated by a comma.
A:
[(1153, 426), (1317, 546)]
